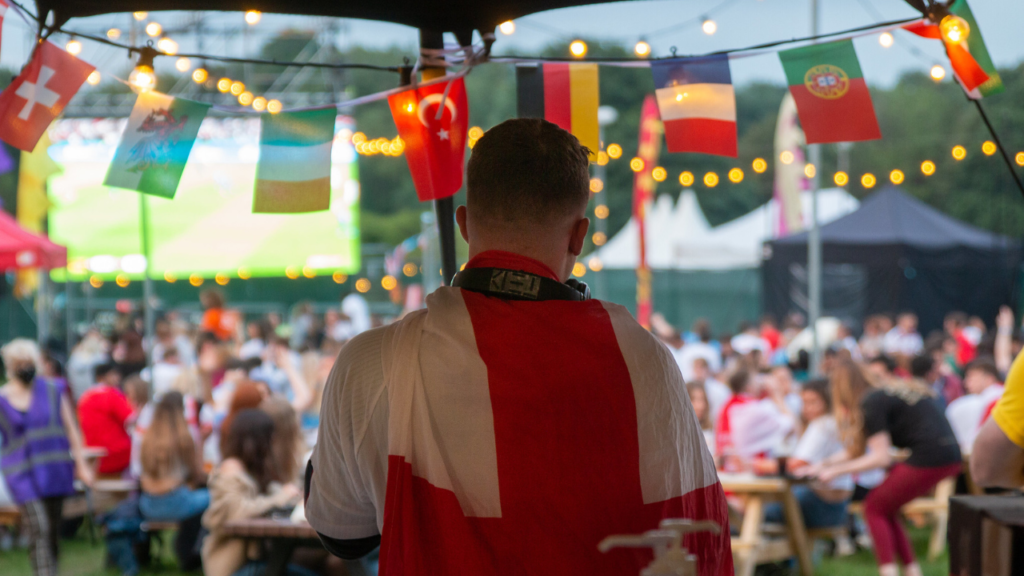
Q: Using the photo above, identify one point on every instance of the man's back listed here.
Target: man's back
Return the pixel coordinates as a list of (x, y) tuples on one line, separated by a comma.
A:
[(102, 412), (519, 434)]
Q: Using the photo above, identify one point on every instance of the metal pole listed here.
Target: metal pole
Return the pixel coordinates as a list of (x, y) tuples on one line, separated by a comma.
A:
[(147, 282), (69, 332), (43, 308), (601, 226), (814, 238), (445, 207)]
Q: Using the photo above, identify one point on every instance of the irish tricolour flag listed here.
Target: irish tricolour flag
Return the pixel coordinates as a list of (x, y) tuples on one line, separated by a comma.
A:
[(831, 96), (156, 143), (697, 104), (294, 171)]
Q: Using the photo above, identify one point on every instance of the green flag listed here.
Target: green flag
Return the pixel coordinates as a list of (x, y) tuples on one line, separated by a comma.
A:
[(976, 46), (156, 143)]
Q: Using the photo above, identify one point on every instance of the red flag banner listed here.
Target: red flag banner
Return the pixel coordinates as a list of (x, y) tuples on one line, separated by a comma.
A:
[(39, 94), (966, 68), (643, 193), (433, 127)]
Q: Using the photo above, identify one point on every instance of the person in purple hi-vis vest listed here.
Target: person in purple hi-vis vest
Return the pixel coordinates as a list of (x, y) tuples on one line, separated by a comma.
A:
[(40, 451)]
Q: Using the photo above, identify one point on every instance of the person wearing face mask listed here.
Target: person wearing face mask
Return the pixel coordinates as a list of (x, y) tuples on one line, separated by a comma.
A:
[(40, 450)]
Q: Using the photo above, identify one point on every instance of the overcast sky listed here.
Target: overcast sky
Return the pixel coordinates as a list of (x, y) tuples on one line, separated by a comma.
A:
[(740, 23)]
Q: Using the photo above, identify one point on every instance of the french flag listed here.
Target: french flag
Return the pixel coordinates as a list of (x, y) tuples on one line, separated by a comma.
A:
[(697, 104)]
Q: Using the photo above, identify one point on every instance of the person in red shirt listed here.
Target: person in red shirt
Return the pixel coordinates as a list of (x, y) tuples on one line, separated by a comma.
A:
[(103, 412), (743, 385), (216, 320), (954, 324)]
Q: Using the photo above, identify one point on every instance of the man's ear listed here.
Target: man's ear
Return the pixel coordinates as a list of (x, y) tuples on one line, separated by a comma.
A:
[(579, 236), (460, 219)]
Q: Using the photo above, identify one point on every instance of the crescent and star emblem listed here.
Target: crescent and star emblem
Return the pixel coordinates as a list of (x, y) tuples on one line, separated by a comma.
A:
[(436, 99)]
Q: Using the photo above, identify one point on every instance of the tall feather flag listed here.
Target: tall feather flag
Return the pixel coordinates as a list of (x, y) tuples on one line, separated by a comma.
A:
[(697, 104), (564, 94), (643, 193), (294, 171), (971, 62), (156, 144)]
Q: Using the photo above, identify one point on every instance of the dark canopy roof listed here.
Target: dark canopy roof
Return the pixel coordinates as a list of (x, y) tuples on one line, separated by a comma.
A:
[(437, 15), (890, 217)]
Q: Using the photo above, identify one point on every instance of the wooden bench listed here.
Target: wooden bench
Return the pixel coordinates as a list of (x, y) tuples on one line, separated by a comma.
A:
[(10, 516)]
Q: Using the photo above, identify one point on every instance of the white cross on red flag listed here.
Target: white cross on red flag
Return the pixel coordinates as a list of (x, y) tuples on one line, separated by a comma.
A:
[(39, 94)]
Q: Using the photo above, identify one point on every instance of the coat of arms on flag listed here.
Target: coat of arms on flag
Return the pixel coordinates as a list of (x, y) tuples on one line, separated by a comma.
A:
[(156, 144)]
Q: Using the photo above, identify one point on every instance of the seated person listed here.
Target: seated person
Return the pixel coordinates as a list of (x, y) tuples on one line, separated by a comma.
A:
[(823, 505), (103, 412), (702, 410), (967, 413), (242, 487), (717, 393)]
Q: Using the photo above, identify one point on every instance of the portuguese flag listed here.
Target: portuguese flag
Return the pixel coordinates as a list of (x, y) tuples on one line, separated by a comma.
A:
[(831, 96), (563, 94)]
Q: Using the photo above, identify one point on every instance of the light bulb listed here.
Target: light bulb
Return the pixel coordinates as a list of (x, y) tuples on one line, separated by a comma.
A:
[(760, 165), (896, 176), (245, 98), (642, 49), (183, 64), (259, 104), (786, 157), (938, 72), (507, 27), (578, 48), (167, 46), (199, 75), (954, 29), (74, 47), (94, 78), (142, 78), (885, 39), (154, 29), (736, 175), (140, 16), (928, 167), (237, 88), (224, 84), (113, 33), (274, 106), (841, 178), (709, 27), (711, 179), (253, 17)]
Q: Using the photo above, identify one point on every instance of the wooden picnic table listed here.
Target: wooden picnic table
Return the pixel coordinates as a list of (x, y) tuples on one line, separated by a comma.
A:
[(283, 535), (752, 547)]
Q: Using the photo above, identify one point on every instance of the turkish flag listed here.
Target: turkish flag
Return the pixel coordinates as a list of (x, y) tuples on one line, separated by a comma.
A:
[(39, 94), (434, 129)]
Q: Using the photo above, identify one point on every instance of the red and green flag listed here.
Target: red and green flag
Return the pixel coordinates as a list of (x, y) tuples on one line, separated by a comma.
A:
[(831, 96)]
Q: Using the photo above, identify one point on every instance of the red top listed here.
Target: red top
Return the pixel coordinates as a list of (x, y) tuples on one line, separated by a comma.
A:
[(723, 435), (965, 349), (102, 412)]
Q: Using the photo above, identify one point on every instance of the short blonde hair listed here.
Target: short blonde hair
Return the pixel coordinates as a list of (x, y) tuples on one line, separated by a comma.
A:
[(18, 351)]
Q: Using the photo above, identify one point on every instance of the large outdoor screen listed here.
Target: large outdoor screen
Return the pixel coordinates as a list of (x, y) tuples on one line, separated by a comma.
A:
[(208, 228)]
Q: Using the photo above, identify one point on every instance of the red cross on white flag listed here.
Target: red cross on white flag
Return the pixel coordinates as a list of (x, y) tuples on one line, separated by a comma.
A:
[(39, 94)]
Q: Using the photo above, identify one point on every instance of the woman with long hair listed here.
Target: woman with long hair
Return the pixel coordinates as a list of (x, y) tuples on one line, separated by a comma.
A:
[(171, 468), (242, 487), (289, 449), (702, 409), (871, 420)]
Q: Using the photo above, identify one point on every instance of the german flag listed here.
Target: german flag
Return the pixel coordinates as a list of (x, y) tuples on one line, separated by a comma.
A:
[(564, 94)]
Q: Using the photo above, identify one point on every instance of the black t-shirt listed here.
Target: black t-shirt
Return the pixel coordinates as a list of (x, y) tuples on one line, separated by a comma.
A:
[(915, 423)]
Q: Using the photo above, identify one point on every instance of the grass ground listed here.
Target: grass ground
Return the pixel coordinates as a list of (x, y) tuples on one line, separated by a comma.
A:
[(80, 558)]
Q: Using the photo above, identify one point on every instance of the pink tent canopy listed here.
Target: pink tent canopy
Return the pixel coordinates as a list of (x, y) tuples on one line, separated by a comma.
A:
[(20, 248)]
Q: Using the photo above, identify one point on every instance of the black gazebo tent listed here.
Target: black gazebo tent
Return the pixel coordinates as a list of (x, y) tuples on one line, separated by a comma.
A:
[(896, 254)]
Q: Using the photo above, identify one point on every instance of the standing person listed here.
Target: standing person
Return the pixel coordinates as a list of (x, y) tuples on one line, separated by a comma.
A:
[(90, 352), (242, 487), (216, 320), (872, 420), (103, 412), (702, 349), (903, 339), (954, 324), (41, 451), (501, 416), (259, 333)]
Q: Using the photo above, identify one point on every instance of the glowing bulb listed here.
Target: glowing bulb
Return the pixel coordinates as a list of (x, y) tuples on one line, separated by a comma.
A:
[(183, 64), (274, 106), (476, 132), (988, 147), (259, 103), (614, 151), (885, 39), (167, 46), (94, 78), (659, 174), (959, 152), (1019, 158), (954, 29), (579, 270), (759, 165), (113, 33), (363, 285), (170, 278), (389, 282), (599, 238), (199, 75), (595, 264), (409, 269), (601, 212), (686, 178), (358, 138), (339, 277), (711, 179), (74, 47), (237, 88), (154, 29), (636, 164), (507, 27), (602, 158), (735, 175), (253, 17), (786, 157), (140, 16), (221, 278), (841, 178), (291, 272), (642, 49), (224, 84), (142, 78), (244, 273), (122, 280), (309, 272), (896, 176), (928, 167), (938, 72), (245, 98), (578, 48), (95, 281), (868, 180), (810, 170), (709, 27), (596, 185), (195, 280)]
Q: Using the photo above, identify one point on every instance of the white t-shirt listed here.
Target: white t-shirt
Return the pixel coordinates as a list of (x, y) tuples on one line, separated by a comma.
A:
[(965, 413), (746, 343), (821, 440), (718, 395), (690, 352), (896, 342)]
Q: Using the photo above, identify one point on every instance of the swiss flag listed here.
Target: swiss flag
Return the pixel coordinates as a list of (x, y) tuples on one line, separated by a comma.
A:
[(39, 94), (434, 129)]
